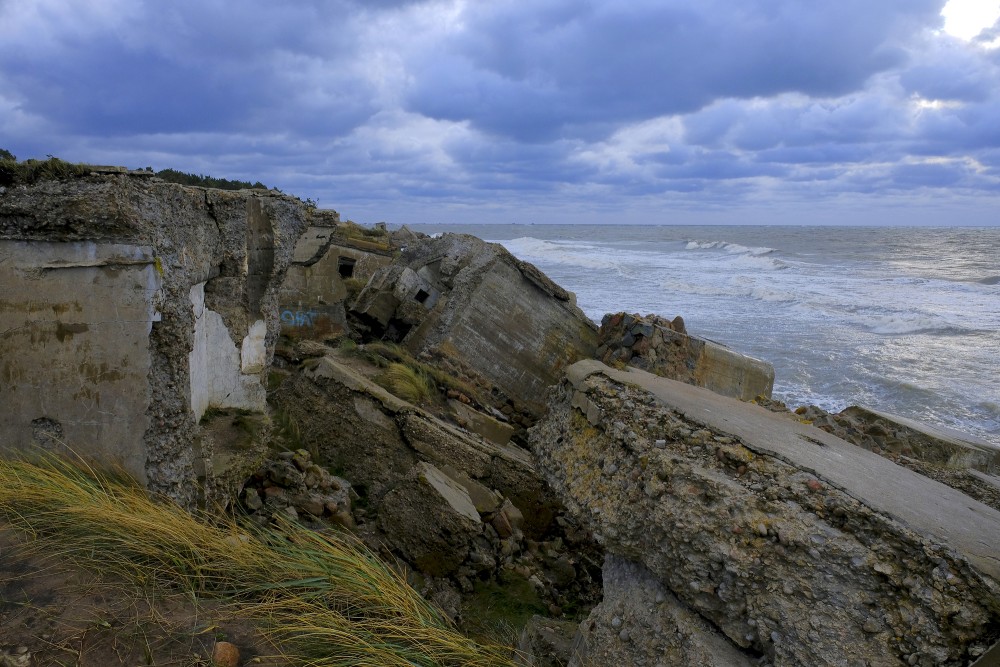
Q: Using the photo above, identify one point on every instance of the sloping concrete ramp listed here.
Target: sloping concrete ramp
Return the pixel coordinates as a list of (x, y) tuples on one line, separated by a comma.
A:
[(795, 544)]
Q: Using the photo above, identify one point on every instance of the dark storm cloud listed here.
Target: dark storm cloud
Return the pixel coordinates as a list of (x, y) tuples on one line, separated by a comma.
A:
[(545, 104), (534, 70), (190, 66)]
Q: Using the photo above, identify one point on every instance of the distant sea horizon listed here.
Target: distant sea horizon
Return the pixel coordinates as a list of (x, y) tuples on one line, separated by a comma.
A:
[(899, 319)]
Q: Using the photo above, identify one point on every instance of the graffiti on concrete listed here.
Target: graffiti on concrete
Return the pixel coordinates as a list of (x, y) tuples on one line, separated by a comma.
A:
[(298, 318)]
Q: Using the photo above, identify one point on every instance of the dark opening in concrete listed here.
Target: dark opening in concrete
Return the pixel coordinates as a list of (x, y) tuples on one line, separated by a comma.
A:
[(421, 296), (345, 266)]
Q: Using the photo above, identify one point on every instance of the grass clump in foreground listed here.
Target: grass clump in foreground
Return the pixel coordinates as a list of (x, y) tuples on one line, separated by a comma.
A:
[(323, 599)]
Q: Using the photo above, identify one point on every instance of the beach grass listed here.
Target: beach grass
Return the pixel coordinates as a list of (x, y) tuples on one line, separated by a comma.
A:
[(322, 598)]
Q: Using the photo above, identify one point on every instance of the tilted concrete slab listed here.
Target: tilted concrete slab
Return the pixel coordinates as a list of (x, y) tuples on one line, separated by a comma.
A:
[(924, 505), (798, 546)]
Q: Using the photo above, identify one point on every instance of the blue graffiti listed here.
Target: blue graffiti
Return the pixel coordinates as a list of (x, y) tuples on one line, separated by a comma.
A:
[(298, 318)]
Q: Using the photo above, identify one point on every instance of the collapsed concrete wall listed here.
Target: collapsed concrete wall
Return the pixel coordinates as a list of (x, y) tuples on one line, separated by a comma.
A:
[(130, 308), (665, 348), (327, 256), (895, 436), (458, 296), (794, 544)]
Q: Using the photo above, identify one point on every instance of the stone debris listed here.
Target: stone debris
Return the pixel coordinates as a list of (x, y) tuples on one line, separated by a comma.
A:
[(293, 486), (665, 348), (797, 546), (545, 642)]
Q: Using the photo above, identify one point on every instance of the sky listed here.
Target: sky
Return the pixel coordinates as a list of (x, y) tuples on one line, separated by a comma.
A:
[(530, 111)]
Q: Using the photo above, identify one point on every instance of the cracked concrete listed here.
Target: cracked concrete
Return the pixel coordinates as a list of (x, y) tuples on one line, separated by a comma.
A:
[(131, 306), (793, 543)]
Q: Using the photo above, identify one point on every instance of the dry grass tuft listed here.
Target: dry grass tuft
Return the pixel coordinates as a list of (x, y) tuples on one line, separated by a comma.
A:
[(324, 598), (410, 383)]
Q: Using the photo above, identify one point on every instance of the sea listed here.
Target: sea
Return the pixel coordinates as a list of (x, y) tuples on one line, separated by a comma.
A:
[(901, 320)]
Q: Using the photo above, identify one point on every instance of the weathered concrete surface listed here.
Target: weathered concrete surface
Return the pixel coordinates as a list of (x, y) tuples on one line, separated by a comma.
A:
[(130, 306), (639, 622), (313, 294), (892, 435), (75, 320), (430, 520), (458, 296), (665, 348), (792, 542), (478, 422)]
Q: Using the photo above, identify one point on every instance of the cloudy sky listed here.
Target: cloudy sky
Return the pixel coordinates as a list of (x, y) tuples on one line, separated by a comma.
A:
[(656, 111)]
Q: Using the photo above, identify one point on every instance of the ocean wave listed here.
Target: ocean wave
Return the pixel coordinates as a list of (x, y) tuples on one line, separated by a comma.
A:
[(536, 250), (757, 262), (989, 280), (733, 248), (757, 293), (898, 324)]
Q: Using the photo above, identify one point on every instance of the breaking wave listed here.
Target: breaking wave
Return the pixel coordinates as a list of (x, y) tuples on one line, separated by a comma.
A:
[(572, 254), (733, 248)]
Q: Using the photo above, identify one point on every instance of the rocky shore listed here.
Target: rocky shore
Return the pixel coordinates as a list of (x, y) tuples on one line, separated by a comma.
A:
[(624, 494)]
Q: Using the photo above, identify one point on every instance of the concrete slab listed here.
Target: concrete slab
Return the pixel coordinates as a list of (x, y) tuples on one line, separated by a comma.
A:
[(925, 506)]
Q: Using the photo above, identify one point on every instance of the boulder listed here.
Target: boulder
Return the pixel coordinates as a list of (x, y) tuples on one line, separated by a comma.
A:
[(796, 545)]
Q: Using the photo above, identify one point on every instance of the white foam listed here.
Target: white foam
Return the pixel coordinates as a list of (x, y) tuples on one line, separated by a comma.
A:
[(732, 248), (539, 251)]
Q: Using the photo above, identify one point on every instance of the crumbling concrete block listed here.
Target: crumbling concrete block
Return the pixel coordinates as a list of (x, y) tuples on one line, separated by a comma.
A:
[(313, 294), (795, 544), (641, 622), (461, 297), (892, 435), (664, 347), (130, 307), (375, 438), (430, 520)]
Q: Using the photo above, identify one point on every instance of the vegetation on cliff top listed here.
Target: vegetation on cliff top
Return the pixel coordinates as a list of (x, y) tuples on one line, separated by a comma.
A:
[(32, 171), (174, 176), (323, 598)]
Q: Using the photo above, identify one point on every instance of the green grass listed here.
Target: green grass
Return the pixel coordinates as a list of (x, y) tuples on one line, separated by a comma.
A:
[(497, 611), (324, 599)]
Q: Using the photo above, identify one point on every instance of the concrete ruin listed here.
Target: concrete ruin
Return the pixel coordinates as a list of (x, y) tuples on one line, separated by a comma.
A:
[(330, 257), (664, 347), (375, 439), (895, 436), (796, 547), (131, 310), (462, 298)]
